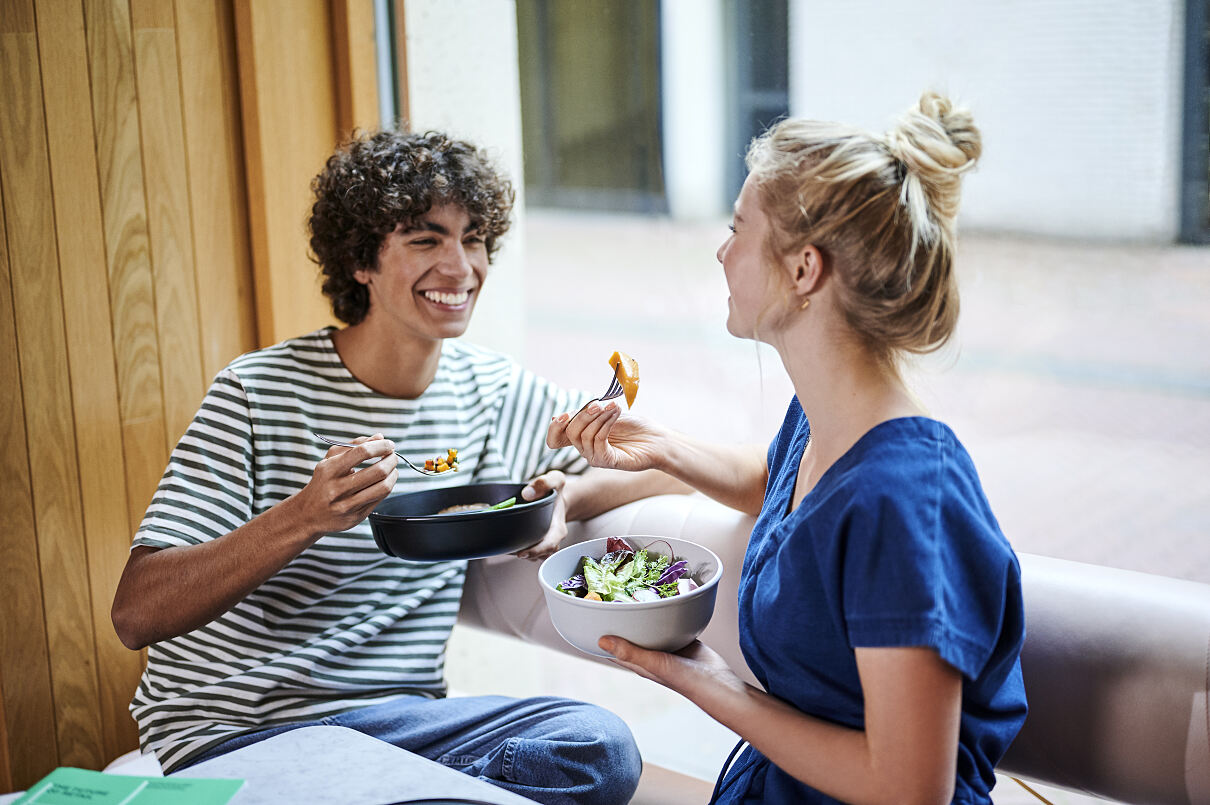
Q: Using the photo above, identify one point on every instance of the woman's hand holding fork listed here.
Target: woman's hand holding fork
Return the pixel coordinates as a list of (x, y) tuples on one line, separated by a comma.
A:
[(607, 439)]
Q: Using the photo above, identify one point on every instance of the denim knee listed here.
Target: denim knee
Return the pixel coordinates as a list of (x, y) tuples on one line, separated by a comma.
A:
[(621, 764), (594, 762)]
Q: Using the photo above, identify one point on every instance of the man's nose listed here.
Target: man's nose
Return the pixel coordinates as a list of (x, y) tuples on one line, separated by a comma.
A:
[(455, 261)]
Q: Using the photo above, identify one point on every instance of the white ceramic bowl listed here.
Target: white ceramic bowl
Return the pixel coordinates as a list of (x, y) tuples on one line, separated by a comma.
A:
[(668, 624)]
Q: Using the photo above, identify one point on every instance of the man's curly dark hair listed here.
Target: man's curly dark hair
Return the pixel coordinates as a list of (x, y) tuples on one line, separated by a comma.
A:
[(379, 180)]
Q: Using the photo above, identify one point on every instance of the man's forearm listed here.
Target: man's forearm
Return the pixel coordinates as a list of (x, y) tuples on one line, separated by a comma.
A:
[(599, 490), (167, 592)]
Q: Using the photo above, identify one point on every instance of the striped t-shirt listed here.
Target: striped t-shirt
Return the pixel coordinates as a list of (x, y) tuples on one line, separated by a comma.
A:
[(342, 625)]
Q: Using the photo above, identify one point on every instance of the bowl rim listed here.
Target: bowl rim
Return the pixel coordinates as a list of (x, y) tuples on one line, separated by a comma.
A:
[(546, 499), (549, 589)]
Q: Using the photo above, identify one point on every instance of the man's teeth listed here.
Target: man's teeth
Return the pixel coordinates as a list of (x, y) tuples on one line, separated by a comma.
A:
[(447, 298)]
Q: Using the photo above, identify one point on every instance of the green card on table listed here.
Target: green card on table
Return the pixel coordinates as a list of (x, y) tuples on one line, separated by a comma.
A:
[(70, 786)]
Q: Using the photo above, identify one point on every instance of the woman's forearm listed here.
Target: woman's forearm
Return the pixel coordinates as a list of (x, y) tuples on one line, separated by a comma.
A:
[(905, 751), (831, 758), (734, 475)]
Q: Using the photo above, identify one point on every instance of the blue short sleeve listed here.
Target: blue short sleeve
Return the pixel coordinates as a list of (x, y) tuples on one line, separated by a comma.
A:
[(922, 561)]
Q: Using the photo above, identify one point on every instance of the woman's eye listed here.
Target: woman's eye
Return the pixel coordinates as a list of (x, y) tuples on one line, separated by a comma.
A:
[(732, 228)]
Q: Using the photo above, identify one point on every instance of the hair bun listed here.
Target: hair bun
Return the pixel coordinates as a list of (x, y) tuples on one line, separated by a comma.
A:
[(936, 136), (937, 142)]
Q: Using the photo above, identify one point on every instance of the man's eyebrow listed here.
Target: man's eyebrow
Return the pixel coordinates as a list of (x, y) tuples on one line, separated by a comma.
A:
[(430, 226), (426, 226)]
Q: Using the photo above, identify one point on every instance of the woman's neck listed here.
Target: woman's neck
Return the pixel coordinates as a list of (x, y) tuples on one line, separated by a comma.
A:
[(844, 392), (389, 364)]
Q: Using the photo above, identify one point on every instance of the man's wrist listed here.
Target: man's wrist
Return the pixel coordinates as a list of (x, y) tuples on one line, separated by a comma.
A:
[(570, 498), (293, 523)]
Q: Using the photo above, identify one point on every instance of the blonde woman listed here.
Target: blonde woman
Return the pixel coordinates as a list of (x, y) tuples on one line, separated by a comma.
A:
[(880, 605)]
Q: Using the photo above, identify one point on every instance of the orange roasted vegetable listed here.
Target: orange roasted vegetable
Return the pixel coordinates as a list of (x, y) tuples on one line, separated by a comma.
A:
[(628, 373), (443, 463)]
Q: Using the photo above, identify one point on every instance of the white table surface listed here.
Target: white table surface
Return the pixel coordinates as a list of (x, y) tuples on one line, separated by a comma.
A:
[(336, 764)]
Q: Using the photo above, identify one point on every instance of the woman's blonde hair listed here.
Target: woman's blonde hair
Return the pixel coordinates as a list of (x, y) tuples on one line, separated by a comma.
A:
[(882, 210)]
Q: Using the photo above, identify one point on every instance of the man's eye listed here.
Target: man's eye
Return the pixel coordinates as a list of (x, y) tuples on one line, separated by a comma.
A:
[(475, 239), (424, 242)]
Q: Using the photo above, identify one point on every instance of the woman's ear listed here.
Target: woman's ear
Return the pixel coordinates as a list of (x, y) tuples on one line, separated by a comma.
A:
[(807, 268)]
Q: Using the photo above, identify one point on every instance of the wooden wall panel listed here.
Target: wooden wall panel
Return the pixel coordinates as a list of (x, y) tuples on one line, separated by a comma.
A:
[(126, 283), (356, 67), (29, 715), (6, 769), (46, 393), (84, 278), (214, 156), (163, 146), (290, 128), (131, 287)]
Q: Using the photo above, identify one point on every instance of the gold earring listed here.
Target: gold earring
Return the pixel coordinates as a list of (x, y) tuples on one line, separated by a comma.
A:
[(804, 304)]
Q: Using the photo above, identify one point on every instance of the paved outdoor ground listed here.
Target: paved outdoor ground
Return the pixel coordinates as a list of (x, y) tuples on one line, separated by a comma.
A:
[(1079, 382)]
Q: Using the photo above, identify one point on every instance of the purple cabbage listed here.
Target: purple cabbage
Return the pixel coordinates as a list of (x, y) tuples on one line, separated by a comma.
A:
[(576, 582), (674, 572)]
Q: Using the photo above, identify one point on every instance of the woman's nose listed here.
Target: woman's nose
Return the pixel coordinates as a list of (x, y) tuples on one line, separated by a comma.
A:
[(722, 250)]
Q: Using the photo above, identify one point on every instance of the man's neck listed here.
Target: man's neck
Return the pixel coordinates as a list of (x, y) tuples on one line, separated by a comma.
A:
[(389, 364)]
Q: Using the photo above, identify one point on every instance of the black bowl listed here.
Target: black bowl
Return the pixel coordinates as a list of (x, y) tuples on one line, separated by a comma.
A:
[(408, 527)]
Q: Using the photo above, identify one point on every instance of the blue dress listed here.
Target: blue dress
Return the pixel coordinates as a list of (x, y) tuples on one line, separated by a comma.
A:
[(895, 546)]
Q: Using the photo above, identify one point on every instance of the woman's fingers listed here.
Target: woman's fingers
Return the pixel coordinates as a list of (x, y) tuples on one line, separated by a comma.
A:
[(640, 660), (589, 431), (556, 432), (602, 426)]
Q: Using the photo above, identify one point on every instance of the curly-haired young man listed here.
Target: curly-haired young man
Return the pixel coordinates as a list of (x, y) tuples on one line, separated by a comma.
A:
[(254, 579)]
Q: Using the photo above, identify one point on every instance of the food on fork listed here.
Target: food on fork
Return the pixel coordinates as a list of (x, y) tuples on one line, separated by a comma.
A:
[(627, 369), (443, 463)]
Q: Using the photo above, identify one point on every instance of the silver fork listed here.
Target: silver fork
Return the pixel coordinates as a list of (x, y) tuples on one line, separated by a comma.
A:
[(614, 390), (420, 470)]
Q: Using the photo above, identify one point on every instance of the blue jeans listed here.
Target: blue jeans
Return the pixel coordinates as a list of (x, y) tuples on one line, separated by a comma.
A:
[(552, 750)]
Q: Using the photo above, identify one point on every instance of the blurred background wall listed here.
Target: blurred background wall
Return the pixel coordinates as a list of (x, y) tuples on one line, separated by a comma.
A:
[(1094, 113)]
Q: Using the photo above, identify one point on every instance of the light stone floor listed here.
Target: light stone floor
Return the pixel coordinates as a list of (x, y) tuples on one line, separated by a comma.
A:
[(1079, 382)]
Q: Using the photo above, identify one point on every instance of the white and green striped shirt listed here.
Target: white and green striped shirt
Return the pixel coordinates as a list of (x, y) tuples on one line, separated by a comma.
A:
[(342, 625)]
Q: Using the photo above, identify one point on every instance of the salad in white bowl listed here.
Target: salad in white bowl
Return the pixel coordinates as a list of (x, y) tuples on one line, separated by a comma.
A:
[(656, 592), (628, 575)]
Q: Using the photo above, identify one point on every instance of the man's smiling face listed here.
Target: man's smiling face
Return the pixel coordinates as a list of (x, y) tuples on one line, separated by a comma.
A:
[(429, 275)]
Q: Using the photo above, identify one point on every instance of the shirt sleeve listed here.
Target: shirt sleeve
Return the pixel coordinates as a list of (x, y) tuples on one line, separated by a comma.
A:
[(206, 490), (529, 405), (924, 564)]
